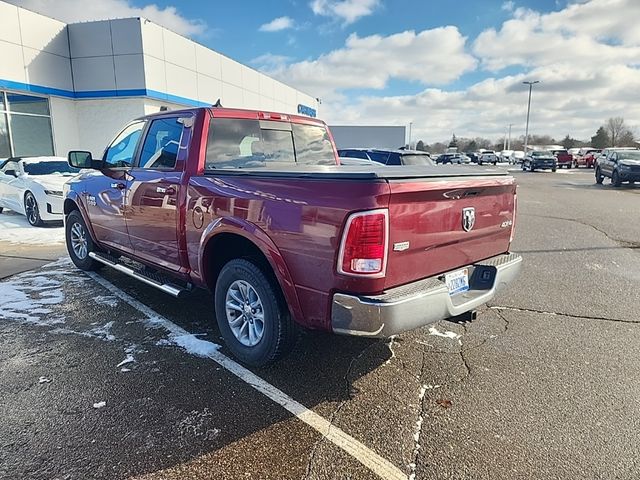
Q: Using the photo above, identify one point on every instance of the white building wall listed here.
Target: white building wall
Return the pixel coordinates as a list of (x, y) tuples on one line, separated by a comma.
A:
[(64, 123)]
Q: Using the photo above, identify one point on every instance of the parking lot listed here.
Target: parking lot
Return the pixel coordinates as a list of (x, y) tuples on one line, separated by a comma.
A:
[(102, 377)]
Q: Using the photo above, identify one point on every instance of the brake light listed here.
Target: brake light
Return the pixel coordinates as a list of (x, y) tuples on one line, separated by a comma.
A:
[(363, 250), (515, 210)]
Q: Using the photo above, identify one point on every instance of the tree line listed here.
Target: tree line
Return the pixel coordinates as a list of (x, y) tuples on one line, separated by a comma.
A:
[(613, 133)]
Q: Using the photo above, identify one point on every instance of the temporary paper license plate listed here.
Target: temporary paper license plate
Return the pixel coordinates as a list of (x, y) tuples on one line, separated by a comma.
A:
[(457, 281)]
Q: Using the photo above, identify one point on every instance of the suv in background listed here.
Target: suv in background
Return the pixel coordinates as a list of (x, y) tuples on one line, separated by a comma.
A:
[(388, 157), (619, 164), (487, 156), (540, 160)]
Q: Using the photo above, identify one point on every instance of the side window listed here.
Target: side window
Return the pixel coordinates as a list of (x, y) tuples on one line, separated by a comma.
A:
[(160, 147), (356, 154), (394, 159), (121, 151), (11, 169), (379, 157)]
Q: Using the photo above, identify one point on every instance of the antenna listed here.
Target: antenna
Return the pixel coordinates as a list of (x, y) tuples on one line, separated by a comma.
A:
[(218, 104)]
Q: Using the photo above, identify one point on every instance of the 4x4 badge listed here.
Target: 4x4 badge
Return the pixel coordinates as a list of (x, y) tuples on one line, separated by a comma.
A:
[(468, 218)]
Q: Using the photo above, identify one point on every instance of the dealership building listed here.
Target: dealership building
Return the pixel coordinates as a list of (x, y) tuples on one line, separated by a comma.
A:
[(73, 86)]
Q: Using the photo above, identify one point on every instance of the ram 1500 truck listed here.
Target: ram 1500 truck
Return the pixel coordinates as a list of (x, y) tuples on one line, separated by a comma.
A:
[(254, 207)]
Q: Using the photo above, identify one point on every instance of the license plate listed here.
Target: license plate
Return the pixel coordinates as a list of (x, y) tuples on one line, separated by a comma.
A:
[(458, 281)]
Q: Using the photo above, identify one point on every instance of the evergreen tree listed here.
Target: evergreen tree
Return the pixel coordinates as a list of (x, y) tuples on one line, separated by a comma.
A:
[(600, 139)]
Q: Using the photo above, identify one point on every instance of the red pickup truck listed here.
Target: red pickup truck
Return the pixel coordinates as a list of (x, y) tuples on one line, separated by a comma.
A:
[(254, 207)]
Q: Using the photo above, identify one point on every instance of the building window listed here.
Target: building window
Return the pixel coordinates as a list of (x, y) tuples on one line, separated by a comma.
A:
[(25, 125)]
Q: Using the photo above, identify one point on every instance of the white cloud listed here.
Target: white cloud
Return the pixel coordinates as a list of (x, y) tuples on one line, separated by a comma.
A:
[(70, 11), (277, 24), (348, 11), (430, 57), (508, 6)]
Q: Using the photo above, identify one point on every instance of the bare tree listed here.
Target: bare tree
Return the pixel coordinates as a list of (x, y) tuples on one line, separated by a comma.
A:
[(615, 128)]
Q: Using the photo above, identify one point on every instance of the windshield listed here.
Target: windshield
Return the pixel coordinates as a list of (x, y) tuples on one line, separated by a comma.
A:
[(632, 155), (416, 159), (50, 168), (541, 153)]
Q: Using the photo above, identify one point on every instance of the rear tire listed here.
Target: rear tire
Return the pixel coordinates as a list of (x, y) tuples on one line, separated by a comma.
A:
[(246, 297), (553, 170), (32, 211), (615, 179), (599, 177), (79, 242), (1, 209)]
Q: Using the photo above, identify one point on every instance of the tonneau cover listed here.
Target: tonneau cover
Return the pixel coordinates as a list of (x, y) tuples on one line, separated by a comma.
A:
[(357, 172)]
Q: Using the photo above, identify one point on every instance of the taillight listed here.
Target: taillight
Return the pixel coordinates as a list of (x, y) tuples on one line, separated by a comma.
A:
[(515, 211), (363, 250)]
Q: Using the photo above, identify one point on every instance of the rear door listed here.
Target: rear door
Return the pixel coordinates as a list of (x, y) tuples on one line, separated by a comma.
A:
[(152, 205), (105, 191)]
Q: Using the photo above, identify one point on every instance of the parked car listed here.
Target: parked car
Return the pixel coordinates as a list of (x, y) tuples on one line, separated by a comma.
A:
[(253, 207), (473, 156), (452, 158), (32, 186), (488, 156), (586, 157), (516, 157), (620, 165), (563, 158), (540, 160), (505, 155), (388, 157)]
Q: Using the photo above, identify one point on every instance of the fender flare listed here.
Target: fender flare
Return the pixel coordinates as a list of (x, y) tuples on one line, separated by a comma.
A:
[(74, 198), (267, 247)]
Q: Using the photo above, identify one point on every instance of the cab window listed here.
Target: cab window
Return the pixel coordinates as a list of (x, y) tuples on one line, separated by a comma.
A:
[(160, 147), (122, 150)]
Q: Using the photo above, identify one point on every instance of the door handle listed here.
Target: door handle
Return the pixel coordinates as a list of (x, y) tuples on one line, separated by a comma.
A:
[(118, 185), (166, 191)]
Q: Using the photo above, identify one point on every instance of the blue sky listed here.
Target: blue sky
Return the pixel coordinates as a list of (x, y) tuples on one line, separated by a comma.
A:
[(446, 66)]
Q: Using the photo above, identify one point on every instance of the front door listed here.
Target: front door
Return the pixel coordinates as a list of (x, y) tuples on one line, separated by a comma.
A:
[(152, 205), (105, 190)]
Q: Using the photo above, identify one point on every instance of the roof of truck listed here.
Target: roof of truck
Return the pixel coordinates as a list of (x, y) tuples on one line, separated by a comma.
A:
[(221, 112)]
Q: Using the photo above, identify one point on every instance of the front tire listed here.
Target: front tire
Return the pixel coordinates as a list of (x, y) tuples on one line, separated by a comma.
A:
[(615, 179), (599, 176), (252, 314), (79, 242), (32, 211)]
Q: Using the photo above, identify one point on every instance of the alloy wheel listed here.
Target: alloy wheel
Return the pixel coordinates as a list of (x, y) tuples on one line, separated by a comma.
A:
[(245, 313), (79, 241)]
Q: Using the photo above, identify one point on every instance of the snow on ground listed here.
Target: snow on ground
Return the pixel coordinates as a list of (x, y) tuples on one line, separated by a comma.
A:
[(15, 229)]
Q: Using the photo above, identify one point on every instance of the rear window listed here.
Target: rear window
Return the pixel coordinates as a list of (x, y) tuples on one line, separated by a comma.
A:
[(380, 157), (235, 143), (416, 160)]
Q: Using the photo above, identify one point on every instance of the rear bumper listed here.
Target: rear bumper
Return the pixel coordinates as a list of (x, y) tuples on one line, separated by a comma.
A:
[(421, 303)]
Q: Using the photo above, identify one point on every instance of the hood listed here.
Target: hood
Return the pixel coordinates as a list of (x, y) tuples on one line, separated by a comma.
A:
[(629, 163), (50, 182)]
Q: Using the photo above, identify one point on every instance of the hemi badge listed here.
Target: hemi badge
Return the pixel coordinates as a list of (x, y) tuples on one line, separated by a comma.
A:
[(400, 246)]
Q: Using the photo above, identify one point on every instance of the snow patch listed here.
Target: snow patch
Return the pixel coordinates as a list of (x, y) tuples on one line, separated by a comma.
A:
[(446, 334), (108, 300), (99, 404), (15, 229), (27, 298), (44, 380), (193, 345), (390, 345), (128, 359)]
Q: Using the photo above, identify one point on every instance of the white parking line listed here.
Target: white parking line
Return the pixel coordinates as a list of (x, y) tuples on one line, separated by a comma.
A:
[(367, 457)]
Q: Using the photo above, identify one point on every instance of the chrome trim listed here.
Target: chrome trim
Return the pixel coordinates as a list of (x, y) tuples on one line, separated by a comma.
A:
[(421, 303)]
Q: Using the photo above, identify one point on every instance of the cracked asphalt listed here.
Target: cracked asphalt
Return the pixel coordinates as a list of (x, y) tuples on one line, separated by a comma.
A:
[(544, 384)]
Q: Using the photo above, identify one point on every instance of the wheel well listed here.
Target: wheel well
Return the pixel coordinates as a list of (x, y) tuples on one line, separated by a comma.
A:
[(69, 206), (228, 246)]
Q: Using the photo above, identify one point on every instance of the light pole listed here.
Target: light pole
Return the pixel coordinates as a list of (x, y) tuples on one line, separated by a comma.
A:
[(409, 146), (509, 141), (526, 131)]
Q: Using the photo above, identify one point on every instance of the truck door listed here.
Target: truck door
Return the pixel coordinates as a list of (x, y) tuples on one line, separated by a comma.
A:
[(152, 200), (105, 191)]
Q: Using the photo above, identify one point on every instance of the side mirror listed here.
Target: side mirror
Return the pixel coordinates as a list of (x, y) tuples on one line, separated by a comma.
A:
[(82, 159)]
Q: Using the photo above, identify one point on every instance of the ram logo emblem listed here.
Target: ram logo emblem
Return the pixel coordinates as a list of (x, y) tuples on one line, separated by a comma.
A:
[(468, 218)]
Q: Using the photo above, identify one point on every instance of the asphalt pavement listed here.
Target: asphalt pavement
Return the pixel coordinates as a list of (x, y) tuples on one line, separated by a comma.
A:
[(102, 377)]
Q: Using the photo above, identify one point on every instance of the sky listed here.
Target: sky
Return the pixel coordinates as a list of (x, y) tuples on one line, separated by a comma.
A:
[(452, 66)]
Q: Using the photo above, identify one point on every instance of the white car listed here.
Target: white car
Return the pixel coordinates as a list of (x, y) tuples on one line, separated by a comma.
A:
[(516, 157), (32, 186)]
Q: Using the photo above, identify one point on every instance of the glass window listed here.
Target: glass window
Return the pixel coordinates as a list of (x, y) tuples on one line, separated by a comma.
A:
[(394, 159), (27, 104), (31, 135), (123, 148), (160, 148), (10, 168), (277, 146), (5, 146), (313, 146), (354, 154), (379, 157), (416, 159), (48, 168)]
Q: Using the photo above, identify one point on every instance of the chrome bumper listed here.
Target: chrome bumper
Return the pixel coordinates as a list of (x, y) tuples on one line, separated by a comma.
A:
[(421, 303)]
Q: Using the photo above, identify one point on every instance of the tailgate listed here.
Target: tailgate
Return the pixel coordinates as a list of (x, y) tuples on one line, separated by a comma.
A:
[(427, 235)]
